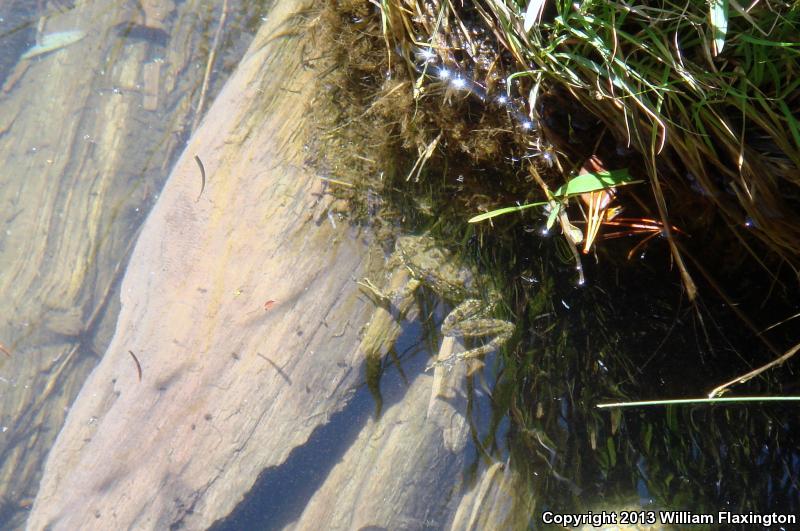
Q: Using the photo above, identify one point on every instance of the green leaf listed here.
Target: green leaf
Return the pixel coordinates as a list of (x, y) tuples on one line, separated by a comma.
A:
[(591, 182), (555, 209), (533, 15), (719, 24), (501, 211), (587, 182)]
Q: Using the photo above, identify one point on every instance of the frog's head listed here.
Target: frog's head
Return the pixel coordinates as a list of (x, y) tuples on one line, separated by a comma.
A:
[(420, 251), (435, 266)]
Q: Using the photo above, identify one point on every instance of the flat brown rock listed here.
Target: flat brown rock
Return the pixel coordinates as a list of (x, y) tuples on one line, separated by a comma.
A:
[(82, 161), (404, 470), (242, 309), (228, 388)]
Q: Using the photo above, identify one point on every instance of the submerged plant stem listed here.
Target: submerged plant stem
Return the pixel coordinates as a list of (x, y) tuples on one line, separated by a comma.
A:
[(212, 55), (752, 374), (681, 401)]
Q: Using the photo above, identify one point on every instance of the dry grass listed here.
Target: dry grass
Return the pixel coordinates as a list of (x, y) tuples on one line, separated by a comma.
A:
[(714, 128)]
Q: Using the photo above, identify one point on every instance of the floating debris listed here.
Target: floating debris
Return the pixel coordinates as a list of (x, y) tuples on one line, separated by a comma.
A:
[(53, 42)]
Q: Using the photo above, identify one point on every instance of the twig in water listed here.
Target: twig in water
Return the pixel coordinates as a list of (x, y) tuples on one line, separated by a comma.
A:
[(336, 181), (717, 391), (212, 55), (202, 177), (566, 227), (691, 401), (138, 365)]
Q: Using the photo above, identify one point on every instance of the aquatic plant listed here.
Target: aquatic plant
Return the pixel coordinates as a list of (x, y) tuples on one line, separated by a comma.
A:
[(442, 111), (706, 94)]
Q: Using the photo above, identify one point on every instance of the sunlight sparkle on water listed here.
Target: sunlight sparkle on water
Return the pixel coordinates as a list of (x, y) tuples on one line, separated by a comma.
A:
[(459, 83)]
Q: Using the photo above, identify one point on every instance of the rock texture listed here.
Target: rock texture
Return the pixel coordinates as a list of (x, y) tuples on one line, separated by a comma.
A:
[(242, 309), (82, 163), (228, 387)]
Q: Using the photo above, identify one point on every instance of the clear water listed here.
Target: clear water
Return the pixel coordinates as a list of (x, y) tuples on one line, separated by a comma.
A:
[(534, 410), (87, 142)]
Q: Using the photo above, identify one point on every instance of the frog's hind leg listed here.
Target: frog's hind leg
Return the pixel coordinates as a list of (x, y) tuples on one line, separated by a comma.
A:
[(463, 321), (448, 402), (478, 352)]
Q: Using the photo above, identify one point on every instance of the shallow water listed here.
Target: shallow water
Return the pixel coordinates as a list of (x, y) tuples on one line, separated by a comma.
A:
[(73, 209), (88, 133)]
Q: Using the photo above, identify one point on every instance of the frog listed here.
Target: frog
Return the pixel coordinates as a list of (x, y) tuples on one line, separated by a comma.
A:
[(418, 260)]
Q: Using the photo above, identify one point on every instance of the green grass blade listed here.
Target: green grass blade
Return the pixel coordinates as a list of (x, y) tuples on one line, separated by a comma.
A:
[(719, 24), (794, 125), (533, 15), (754, 40), (695, 401), (591, 182), (506, 210)]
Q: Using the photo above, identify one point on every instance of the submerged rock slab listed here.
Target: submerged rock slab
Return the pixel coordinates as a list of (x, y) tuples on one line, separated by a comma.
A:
[(229, 383), (404, 470), (81, 163), (239, 307), (414, 468)]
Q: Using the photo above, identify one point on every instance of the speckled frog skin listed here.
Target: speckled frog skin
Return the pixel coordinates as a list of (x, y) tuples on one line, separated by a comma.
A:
[(430, 265)]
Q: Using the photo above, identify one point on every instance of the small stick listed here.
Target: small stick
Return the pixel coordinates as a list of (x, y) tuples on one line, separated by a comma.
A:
[(563, 220), (661, 204), (202, 177), (336, 181), (138, 365), (210, 65), (4, 350), (717, 391)]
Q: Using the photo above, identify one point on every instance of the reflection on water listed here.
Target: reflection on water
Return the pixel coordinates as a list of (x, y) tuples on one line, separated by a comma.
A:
[(600, 346)]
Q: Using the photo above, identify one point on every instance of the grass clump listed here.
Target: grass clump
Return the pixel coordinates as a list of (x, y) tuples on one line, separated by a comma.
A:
[(467, 106), (704, 95)]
